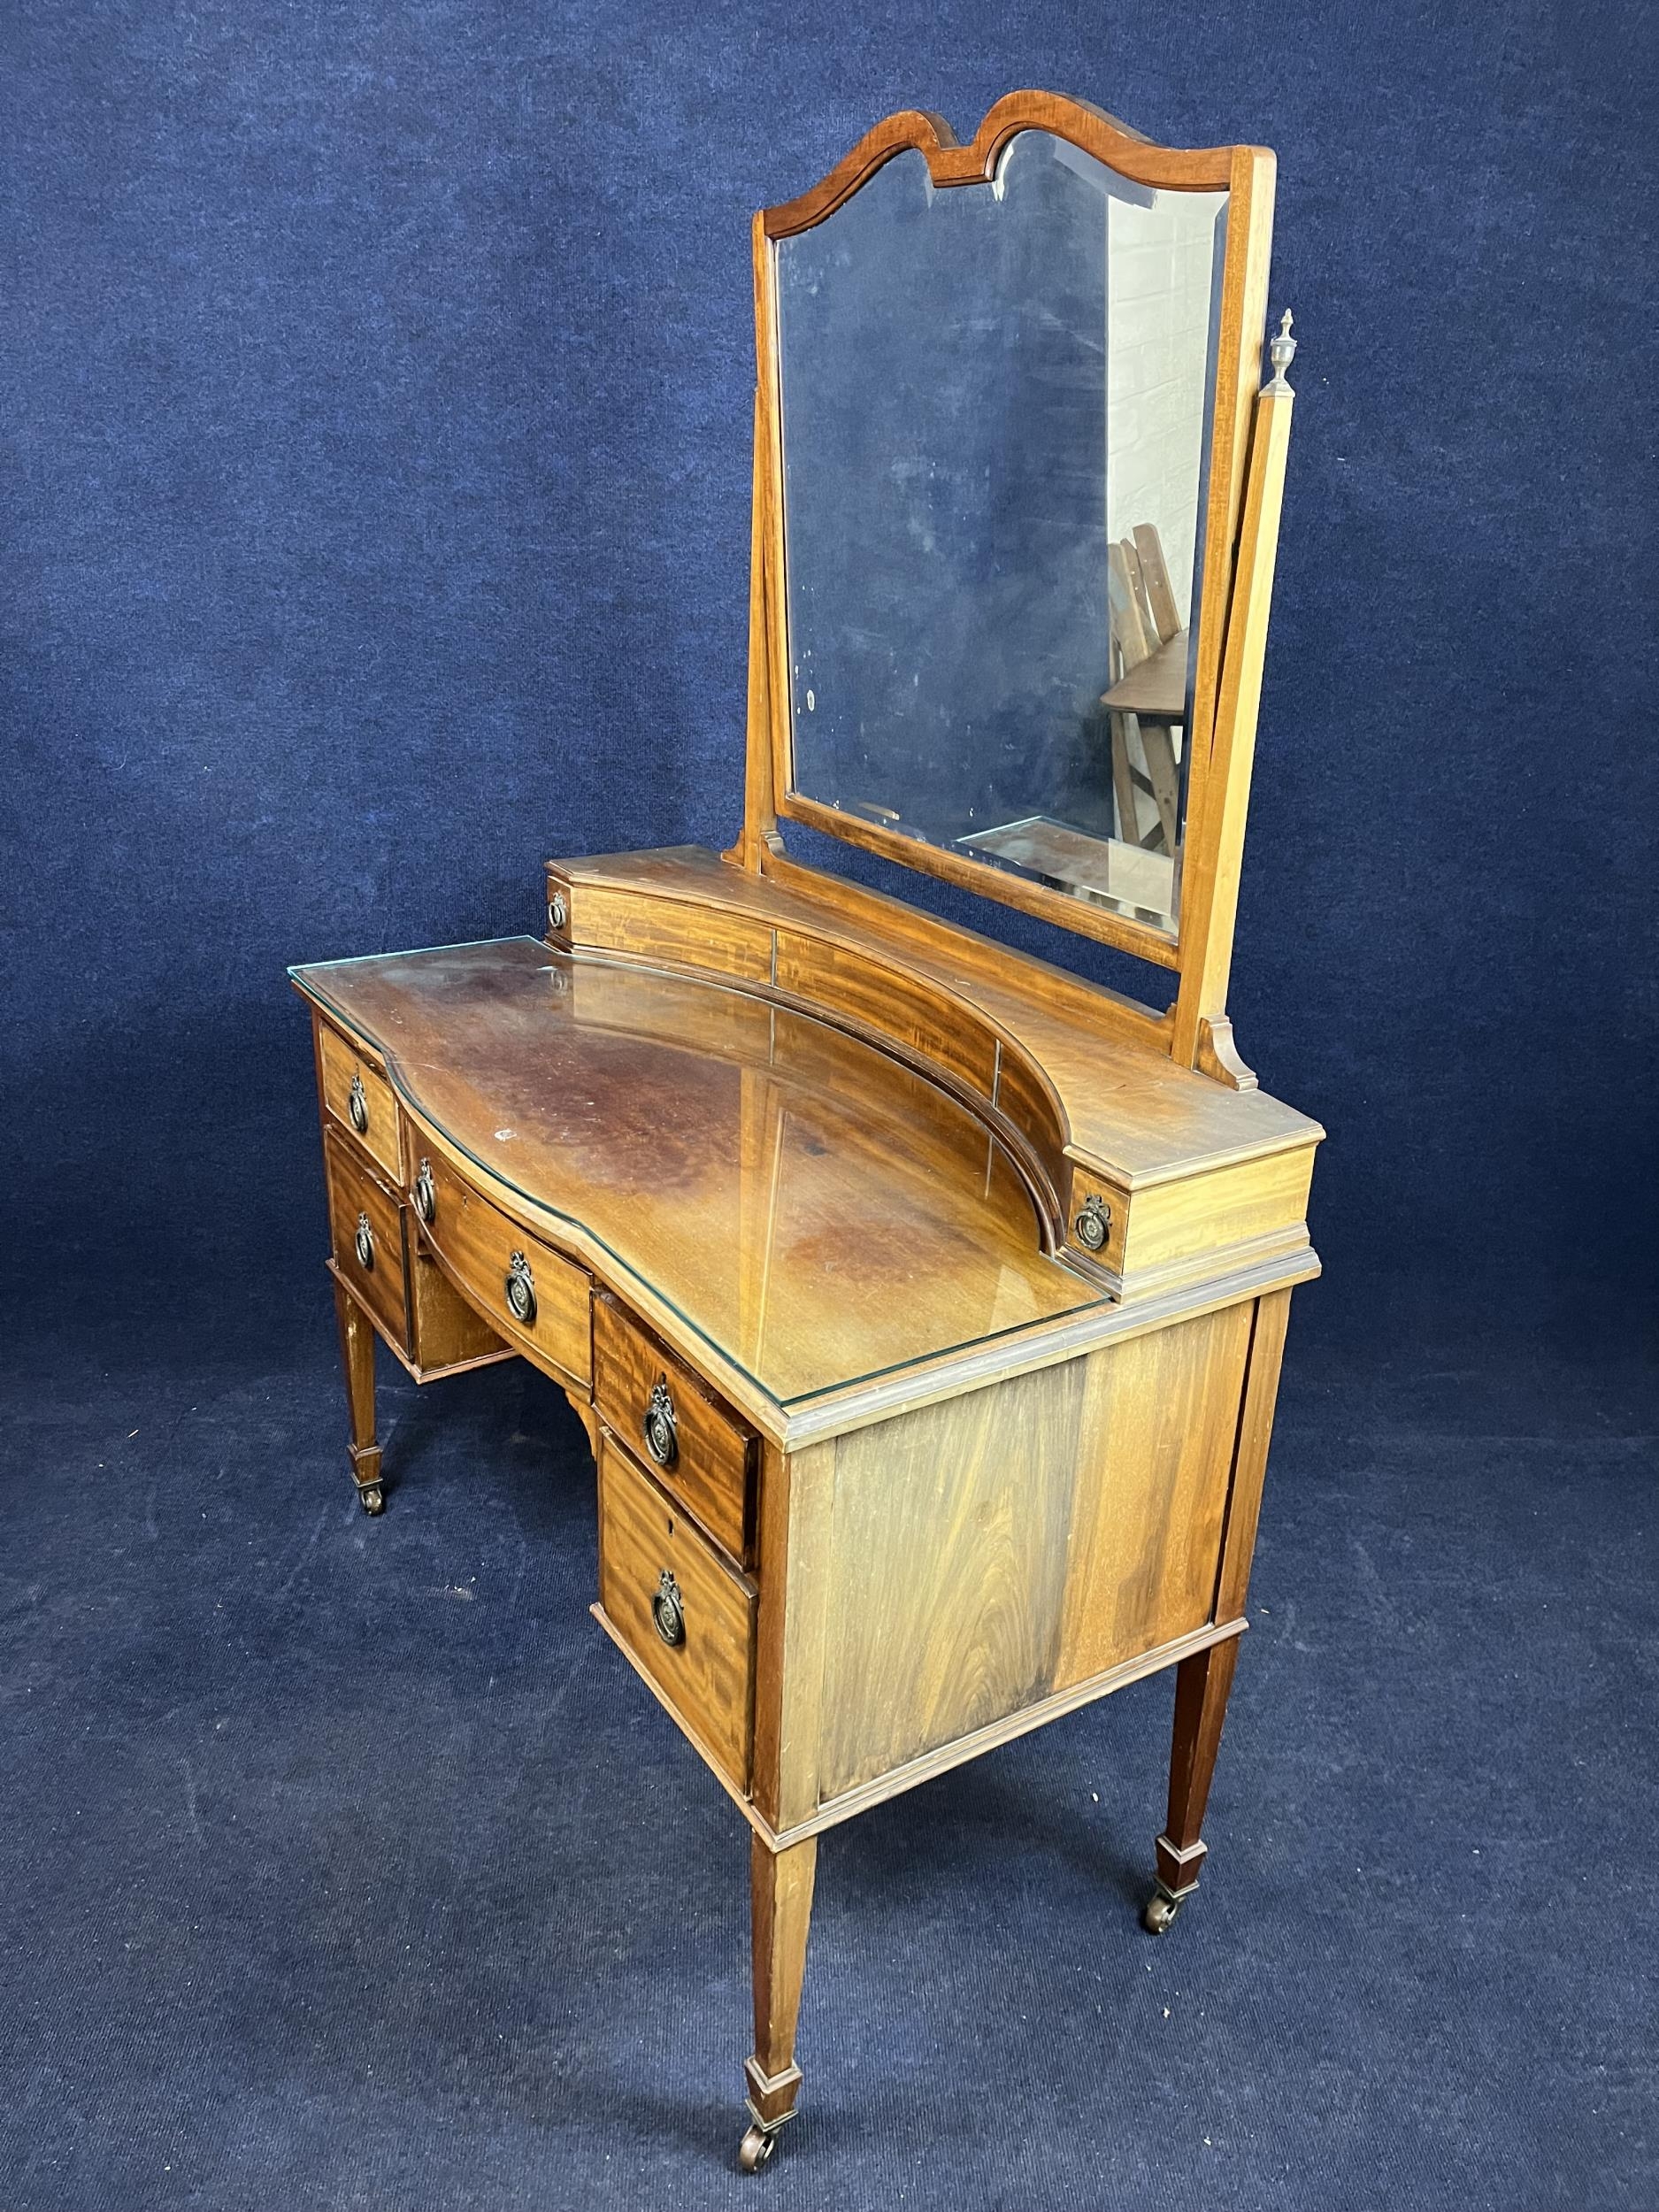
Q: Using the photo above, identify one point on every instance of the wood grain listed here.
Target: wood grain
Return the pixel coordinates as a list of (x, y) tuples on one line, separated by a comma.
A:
[(474, 1243), (949, 1545), (706, 1679), (357, 1355), (1153, 1460), (340, 1061), (355, 1196), (950, 162), (660, 930), (445, 1332), (780, 1895), (712, 1470), (1250, 1468), (1220, 797), (891, 1001)]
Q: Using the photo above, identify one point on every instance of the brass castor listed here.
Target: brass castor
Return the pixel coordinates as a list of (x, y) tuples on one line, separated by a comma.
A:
[(371, 1497), (1159, 1911), (755, 2148)]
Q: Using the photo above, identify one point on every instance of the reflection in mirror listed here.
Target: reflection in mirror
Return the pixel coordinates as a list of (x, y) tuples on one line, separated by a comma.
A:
[(995, 408)]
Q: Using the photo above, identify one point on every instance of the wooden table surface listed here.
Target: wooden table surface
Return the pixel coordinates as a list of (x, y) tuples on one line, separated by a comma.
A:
[(813, 1209)]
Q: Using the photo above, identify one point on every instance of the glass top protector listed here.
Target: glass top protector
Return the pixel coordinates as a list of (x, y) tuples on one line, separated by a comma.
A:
[(816, 1211)]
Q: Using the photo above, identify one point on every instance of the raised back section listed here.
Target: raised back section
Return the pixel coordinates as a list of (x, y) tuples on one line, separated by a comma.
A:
[(1140, 1172), (1007, 622)]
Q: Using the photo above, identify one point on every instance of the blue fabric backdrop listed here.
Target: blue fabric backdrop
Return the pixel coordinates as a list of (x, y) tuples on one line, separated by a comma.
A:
[(374, 523)]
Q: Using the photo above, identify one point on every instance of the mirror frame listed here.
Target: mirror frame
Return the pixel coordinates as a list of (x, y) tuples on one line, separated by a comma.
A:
[(1247, 173)]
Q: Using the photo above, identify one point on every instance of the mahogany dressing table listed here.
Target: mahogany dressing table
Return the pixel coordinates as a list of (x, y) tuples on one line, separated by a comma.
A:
[(923, 1302)]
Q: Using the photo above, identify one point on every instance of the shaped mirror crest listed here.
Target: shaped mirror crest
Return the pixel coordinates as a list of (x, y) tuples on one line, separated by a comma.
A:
[(996, 402)]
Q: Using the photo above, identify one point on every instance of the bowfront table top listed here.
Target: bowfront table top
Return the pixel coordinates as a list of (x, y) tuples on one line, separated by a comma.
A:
[(814, 1209)]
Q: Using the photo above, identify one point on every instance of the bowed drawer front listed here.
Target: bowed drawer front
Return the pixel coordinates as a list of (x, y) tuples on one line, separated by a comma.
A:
[(537, 1298), (696, 1449), (686, 1617)]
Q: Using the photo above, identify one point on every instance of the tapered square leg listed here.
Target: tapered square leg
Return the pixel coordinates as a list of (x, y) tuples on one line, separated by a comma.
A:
[(1201, 1684), (781, 1887), (356, 1353)]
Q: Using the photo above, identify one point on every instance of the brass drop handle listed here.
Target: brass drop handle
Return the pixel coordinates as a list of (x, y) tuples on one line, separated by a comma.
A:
[(521, 1290), (426, 1196), (668, 1610), (1093, 1225), (662, 1434), (364, 1241), (558, 913), (358, 1107)]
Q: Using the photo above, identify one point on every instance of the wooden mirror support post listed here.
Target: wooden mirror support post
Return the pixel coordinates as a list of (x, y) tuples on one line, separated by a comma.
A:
[(922, 1303)]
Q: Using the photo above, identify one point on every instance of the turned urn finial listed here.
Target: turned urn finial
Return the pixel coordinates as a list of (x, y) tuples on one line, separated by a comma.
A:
[(1282, 352)]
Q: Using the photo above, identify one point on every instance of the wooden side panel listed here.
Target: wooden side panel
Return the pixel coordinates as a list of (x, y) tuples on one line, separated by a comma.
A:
[(659, 929), (1255, 1429), (445, 1332), (1160, 1415), (956, 1566), (358, 1202), (713, 1452), (339, 1064), (797, 1497), (707, 1677), (949, 1542), (893, 1002), (476, 1243)]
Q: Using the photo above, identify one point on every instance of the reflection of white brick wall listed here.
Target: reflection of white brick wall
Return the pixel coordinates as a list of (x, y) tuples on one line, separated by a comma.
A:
[(1158, 270)]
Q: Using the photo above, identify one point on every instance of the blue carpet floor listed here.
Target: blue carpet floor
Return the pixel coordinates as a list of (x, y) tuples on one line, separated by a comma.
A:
[(344, 1864)]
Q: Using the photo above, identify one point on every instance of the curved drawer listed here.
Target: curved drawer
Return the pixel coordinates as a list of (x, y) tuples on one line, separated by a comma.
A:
[(537, 1298), (696, 1449), (652, 1560)]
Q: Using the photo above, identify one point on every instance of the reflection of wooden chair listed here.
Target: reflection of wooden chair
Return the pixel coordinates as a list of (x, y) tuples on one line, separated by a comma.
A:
[(1147, 698)]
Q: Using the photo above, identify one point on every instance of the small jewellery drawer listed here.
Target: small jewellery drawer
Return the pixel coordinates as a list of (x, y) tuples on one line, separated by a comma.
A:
[(537, 1299), (360, 1099), (671, 1421), (686, 1617), (367, 1224)]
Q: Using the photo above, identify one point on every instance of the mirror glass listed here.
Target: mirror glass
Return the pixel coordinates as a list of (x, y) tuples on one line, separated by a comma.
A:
[(995, 409)]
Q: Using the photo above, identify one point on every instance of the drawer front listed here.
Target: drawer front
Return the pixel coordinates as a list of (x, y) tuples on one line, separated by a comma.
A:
[(687, 1619), (538, 1300), (366, 1222), (360, 1099), (696, 1449)]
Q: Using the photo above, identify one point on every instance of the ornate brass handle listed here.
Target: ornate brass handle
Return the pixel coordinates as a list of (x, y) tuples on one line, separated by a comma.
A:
[(662, 1436), (668, 1610), (358, 1106), (364, 1241), (1093, 1225), (426, 1196), (521, 1290)]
